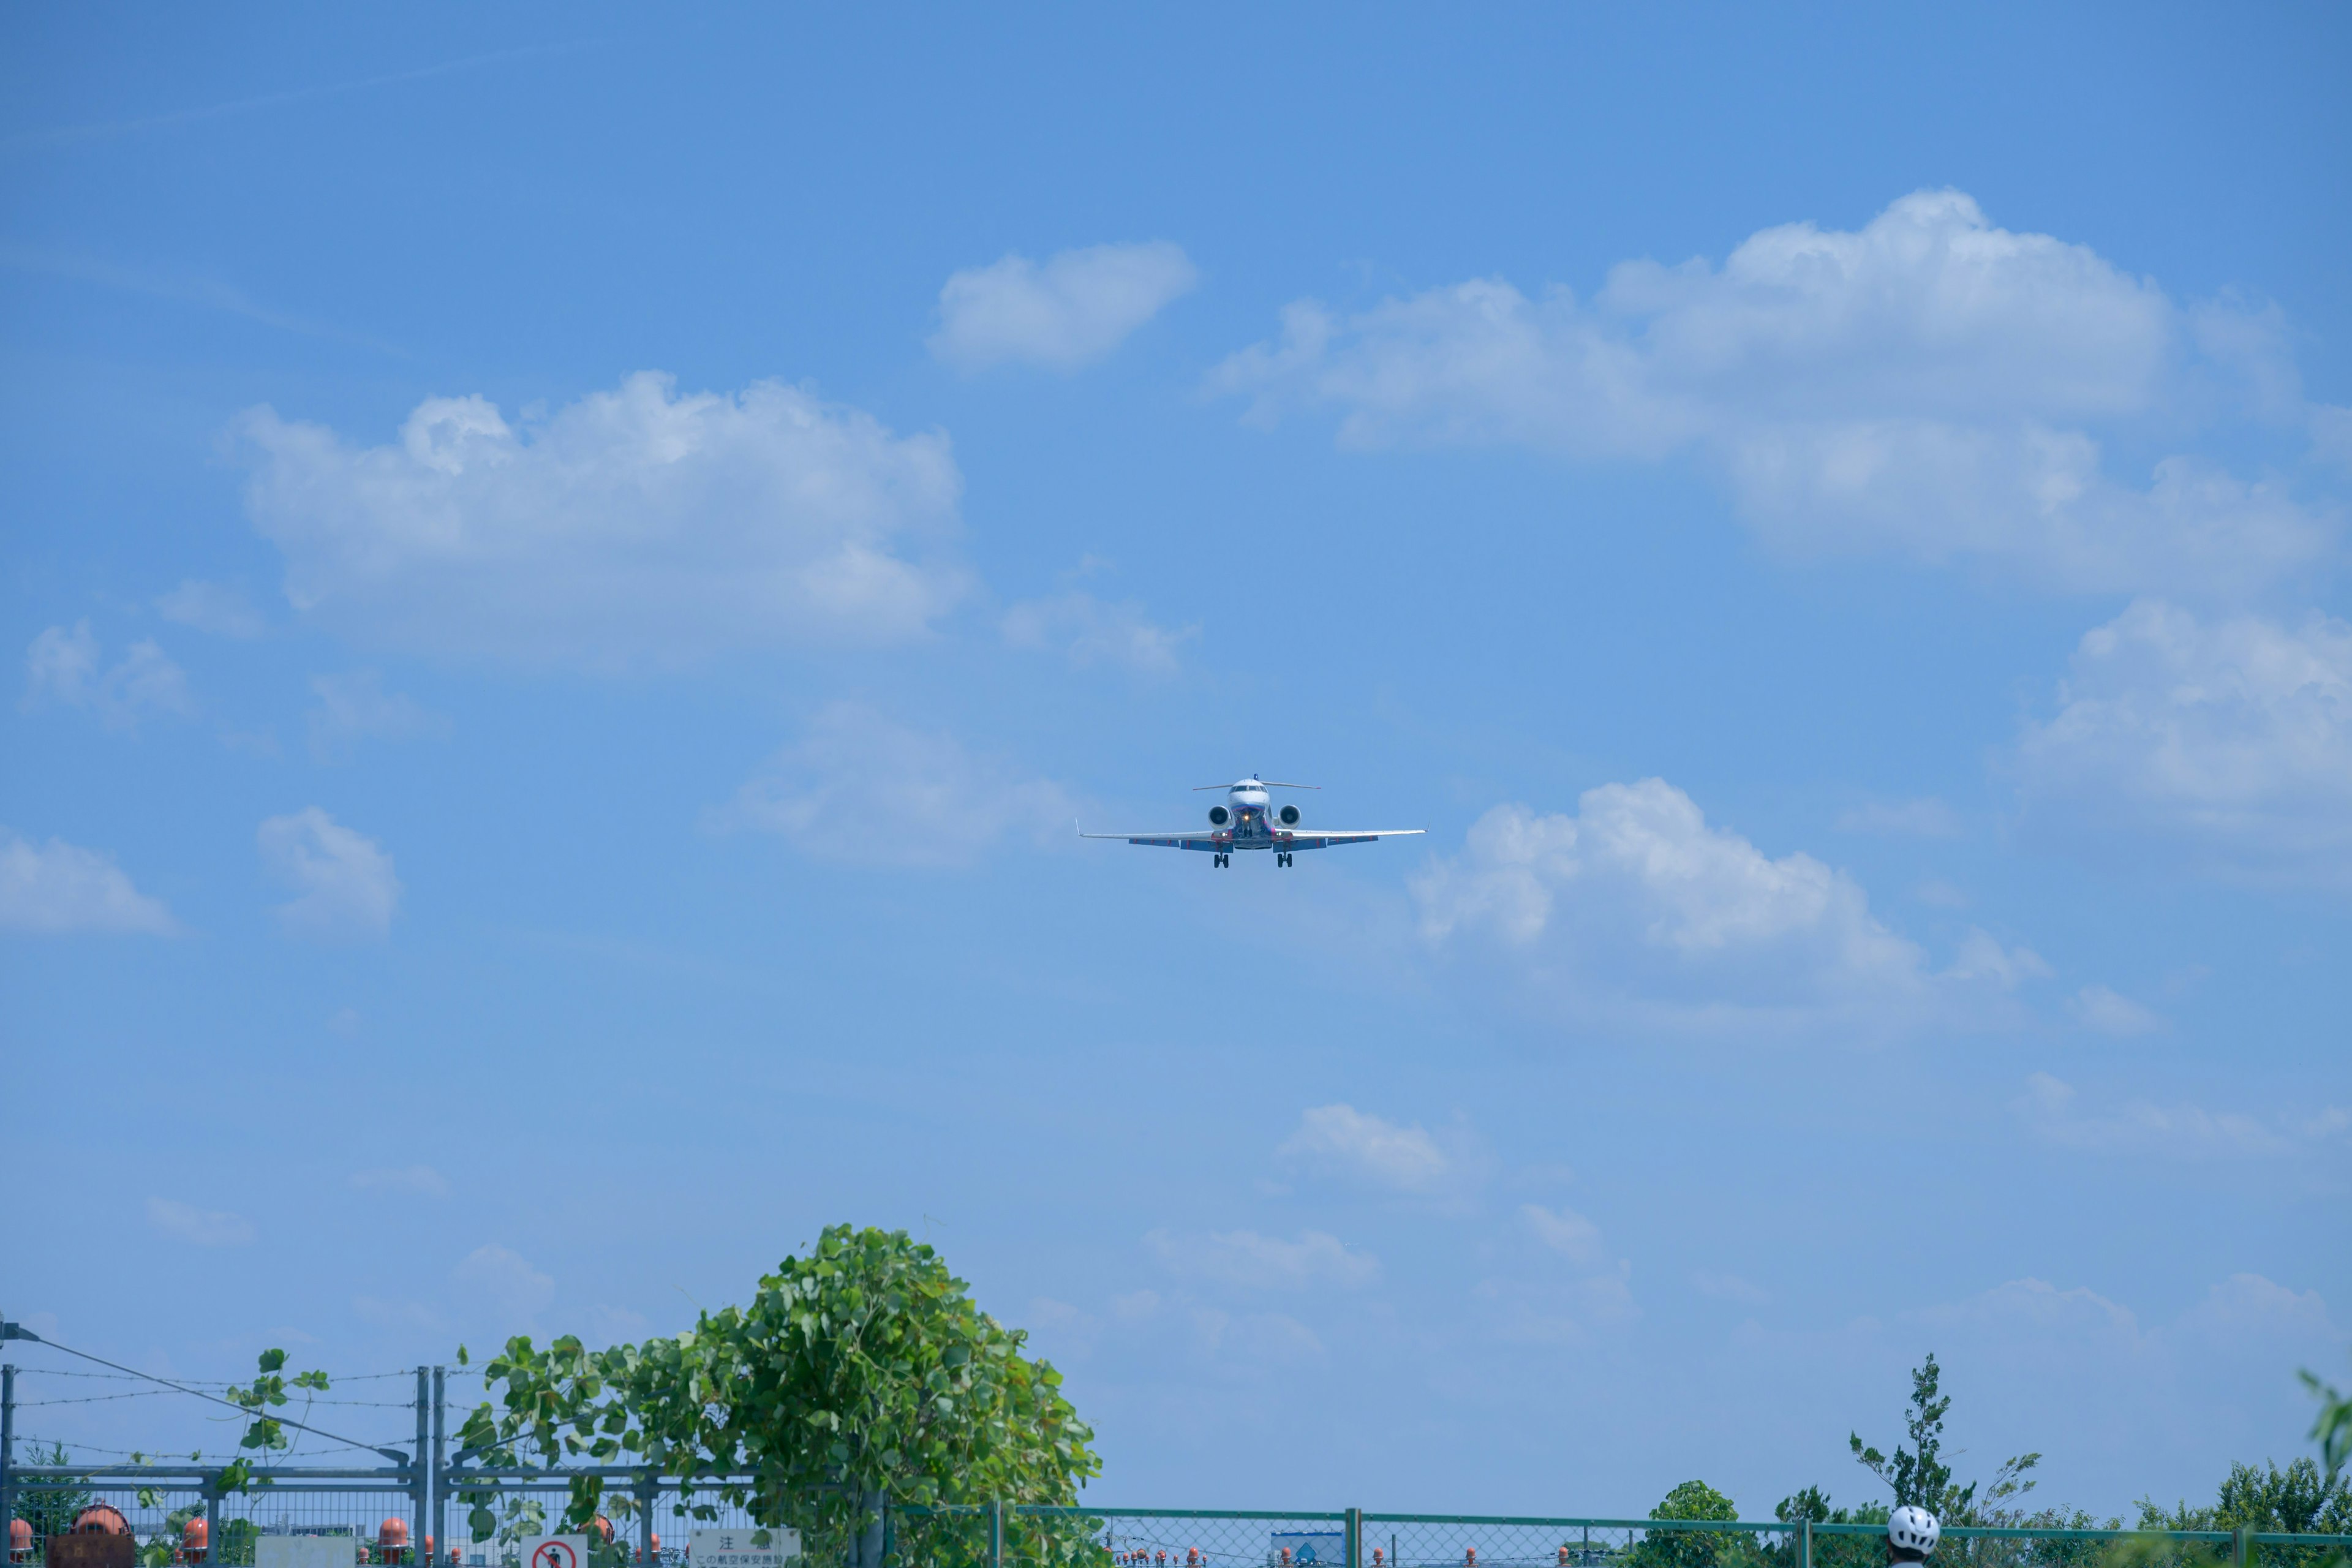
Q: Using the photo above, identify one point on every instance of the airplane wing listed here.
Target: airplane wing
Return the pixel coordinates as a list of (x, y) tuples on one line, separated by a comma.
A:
[(1210, 841), (1333, 838)]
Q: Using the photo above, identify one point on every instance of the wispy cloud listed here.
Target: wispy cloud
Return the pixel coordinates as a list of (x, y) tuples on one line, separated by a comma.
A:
[(98, 131), (209, 293), (2181, 1132), (1927, 817), (345, 882), (220, 608), (1248, 1259), (2112, 1012), (1357, 1144), (1072, 311), (63, 668), (1088, 630), (355, 707), (422, 1180), (199, 1228), (506, 1280), (58, 887)]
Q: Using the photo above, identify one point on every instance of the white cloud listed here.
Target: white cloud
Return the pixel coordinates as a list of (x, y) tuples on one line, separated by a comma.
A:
[(58, 887), (345, 880), (2248, 1307), (1565, 1231), (1566, 1288), (1076, 307), (1560, 1311), (220, 608), (1091, 630), (2241, 1312), (1731, 1288), (1636, 903), (1924, 818), (199, 1228), (422, 1180), (610, 1325), (355, 707), (1274, 1339), (859, 787), (634, 525), (1980, 956), (2185, 1131), (1341, 1138), (398, 1314), (2110, 1013), (61, 666), (1918, 385), (1245, 1258), (2225, 743), (507, 1279)]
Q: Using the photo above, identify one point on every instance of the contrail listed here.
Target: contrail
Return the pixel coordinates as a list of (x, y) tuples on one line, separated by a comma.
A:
[(66, 135)]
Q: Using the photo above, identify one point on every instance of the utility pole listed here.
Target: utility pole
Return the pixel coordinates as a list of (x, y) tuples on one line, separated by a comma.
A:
[(8, 1451), (420, 1481), (438, 1479)]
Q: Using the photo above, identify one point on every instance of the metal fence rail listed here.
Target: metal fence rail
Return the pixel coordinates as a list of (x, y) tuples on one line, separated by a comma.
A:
[(1020, 1536), (422, 1513)]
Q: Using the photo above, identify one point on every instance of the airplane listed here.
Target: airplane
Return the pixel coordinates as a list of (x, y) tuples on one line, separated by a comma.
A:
[(1248, 821)]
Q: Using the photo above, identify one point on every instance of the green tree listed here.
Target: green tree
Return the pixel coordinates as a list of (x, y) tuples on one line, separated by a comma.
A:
[(2299, 1500), (1812, 1505), (1918, 1474), (1688, 1548), (862, 1369)]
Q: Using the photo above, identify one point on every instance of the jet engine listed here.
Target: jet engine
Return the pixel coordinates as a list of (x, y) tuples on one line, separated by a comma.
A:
[(1289, 814), (1218, 817)]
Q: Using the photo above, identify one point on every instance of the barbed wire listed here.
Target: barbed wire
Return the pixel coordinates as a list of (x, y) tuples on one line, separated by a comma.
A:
[(152, 1456), (332, 1379)]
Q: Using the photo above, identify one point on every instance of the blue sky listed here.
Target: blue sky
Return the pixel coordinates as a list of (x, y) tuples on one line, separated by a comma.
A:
[(573, 572)]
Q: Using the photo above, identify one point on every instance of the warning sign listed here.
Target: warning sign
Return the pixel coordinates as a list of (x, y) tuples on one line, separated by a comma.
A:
[(752, 1547), (555, 1552)]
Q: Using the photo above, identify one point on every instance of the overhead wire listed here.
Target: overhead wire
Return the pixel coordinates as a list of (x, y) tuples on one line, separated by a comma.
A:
[(18, 1332)]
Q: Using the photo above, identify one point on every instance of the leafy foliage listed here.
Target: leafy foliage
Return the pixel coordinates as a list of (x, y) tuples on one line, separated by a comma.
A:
[(51, 1513), (864, 1368), (1689, 1548), (2299, 1500), (1918, 1474), (2332, 1430), (263, 1431)]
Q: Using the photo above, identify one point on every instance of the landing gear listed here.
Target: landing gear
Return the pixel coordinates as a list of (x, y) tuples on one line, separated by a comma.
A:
[(1283, 858), (1221, 858)]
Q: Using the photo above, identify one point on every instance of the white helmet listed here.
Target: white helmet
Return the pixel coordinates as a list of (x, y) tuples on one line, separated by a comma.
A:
[(1914, 1529)]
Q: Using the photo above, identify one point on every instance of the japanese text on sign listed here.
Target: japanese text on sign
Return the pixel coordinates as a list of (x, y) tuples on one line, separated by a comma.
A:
[(741, 1548)]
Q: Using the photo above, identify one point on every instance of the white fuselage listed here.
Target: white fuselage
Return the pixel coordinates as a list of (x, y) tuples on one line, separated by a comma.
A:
[(1250, 817)]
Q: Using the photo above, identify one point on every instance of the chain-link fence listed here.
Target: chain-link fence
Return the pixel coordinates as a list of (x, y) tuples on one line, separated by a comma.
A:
[(1024, 1537), (422, 1506)]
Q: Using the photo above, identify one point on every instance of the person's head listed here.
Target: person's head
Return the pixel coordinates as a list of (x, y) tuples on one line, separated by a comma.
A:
[(1911, 1534)]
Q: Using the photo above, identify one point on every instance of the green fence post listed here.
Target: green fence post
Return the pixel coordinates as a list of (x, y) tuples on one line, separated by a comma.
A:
[(996, 1533), (2239, 1546), (1805, 1543), (1355, 1545)]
